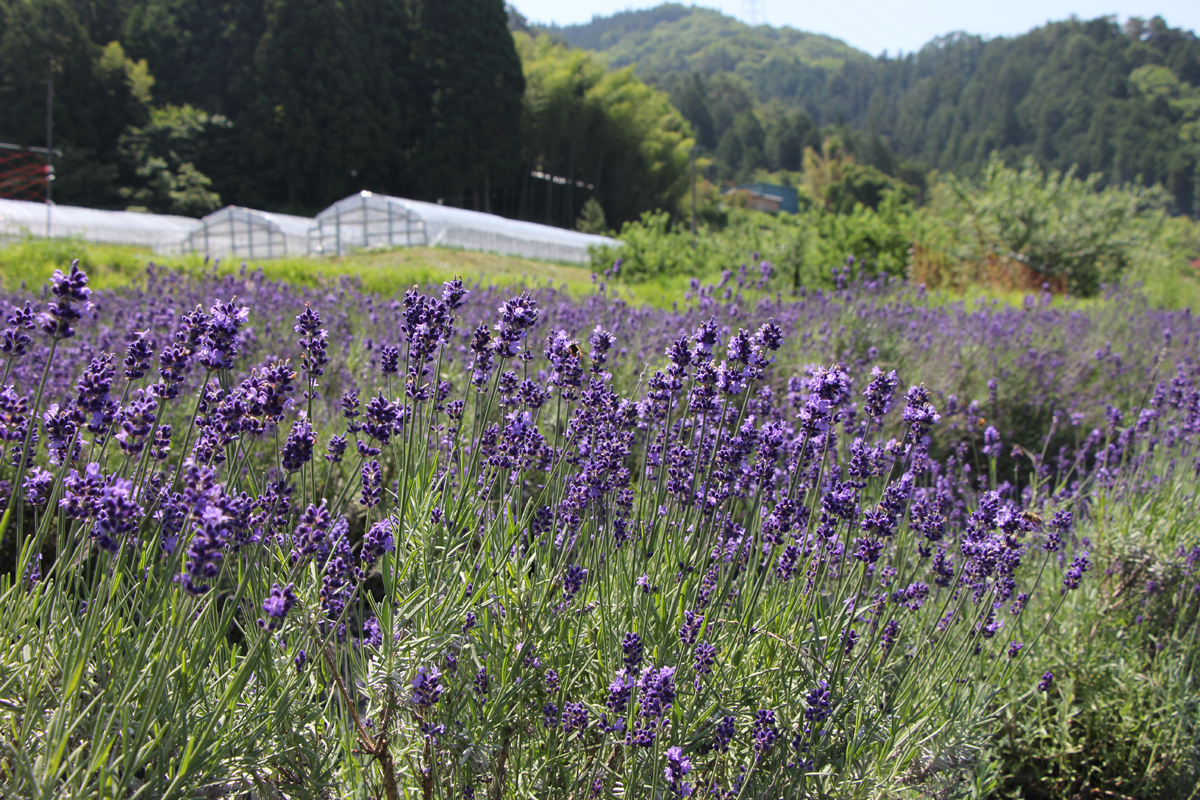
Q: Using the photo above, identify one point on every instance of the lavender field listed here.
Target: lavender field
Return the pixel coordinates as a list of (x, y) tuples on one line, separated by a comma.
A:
[(269, 541)]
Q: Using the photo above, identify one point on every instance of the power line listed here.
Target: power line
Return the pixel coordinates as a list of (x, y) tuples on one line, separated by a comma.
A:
[(846, 25)]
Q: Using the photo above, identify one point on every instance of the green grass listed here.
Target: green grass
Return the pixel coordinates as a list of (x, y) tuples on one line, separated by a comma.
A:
[(32, 261)]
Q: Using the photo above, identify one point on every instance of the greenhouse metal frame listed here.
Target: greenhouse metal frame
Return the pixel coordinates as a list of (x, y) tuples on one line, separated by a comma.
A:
[(248, 233), (367, 220)]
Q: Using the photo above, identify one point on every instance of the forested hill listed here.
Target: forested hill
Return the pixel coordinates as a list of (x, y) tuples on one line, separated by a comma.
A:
[(180, 106), (1119, 99)]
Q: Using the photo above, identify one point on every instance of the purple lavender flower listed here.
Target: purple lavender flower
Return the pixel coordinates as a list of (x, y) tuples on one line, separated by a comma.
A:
[(335, 449), (618, 695), (517, 316), (764, 733), (601, 342), (298, 448), (891, 632), (389, 359), (427, 688), (919, 413), (1047, 682), (657, 688), (1018, 605), (481, 684), (573, 581), (372, 484), (723, 734), (574, 717), (453, 293), (678, 766), (679, 354), (37, 486), (868, 550), (1014, 649), (631, 646), (692, 622), (309, 538), (205, 554), (138, 355), (314, 342), (118, 515), (14, 342), (705, 657), (551, 681), (377, 541), (565, 357), (1080, 563), (135, 421), (991, 442), (219, 342), (820, 708), (879, 393), (913, 596), (277, 605), (60, 315)]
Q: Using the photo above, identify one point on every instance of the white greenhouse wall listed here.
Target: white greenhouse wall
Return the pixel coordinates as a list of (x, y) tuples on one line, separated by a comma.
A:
[(163, 232), (366, 220), (246, 233)]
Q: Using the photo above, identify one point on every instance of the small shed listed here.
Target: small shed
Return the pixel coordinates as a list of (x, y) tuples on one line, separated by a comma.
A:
[(20, 218), (761, 196), (368, 220), (248, 233)]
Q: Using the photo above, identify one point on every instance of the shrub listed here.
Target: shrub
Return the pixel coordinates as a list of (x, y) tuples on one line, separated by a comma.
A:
[(322, 543)]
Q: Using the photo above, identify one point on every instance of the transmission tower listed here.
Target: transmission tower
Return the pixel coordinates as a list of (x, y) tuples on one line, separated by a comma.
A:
[(754, 12)]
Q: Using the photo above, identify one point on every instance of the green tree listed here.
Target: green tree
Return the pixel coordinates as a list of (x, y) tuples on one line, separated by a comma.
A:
[(591, 219), (1059, 226), (161, 156), (334, 107), (97, 93), (469, 99), (742, 148), (602, 133)]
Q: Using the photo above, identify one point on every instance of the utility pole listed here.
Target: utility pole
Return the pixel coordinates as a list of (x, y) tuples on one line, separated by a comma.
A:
[(49, 144), (695, 149)]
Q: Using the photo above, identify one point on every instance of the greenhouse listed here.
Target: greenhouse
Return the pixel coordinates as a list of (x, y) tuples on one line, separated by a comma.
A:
[(247, 233), (366, 220), (20, 218)]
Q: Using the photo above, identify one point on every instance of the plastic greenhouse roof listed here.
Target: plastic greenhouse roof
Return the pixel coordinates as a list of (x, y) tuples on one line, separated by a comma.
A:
[(475, 230), (23, 218), (286, 224)]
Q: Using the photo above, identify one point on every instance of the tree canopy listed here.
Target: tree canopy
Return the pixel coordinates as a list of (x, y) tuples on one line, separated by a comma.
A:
[(1119, 100), (278, 104)]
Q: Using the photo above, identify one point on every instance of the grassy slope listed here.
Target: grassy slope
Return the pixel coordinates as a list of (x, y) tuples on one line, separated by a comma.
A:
[(386, 272)]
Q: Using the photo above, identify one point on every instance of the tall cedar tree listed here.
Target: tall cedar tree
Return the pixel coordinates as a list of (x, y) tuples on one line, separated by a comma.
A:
[(333, 113), (467, 136)]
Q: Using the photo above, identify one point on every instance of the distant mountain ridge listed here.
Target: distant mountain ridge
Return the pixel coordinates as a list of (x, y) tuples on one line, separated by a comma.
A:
[(673, 37), (1121, 100)]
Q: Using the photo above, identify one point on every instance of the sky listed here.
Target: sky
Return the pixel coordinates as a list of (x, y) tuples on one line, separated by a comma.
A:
[(877, 25)]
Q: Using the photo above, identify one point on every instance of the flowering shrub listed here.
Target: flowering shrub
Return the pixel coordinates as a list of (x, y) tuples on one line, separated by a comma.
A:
[(329, 544)]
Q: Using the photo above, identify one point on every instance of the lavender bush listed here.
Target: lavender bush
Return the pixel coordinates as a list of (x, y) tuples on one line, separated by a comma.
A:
[(452, 544)]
